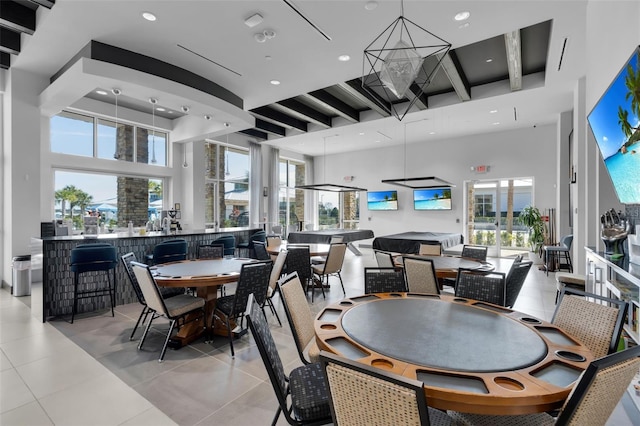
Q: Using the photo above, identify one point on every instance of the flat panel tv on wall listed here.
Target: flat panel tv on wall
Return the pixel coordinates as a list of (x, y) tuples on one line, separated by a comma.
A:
[(382, 200), (615, 123), (437, 198)]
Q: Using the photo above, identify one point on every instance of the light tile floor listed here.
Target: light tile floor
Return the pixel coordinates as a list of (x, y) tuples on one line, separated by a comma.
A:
[(89, 373)]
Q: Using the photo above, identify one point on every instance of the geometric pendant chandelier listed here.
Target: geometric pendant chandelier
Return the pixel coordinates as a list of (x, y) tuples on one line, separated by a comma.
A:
[(399, 64)]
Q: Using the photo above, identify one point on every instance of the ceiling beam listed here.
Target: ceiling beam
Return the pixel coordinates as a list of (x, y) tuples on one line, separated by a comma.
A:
[(514, 58), (373, 101), (5, 60), (279, 118), (17, 17), (422, 101), (255, 134), (451, 66), (270, 128), (303, 112), (46, 3), (9, 41), (336, 105)]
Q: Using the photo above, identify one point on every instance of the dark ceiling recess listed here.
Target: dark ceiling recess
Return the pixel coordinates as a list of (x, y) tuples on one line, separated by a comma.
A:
[(464, 68), (17, 17)]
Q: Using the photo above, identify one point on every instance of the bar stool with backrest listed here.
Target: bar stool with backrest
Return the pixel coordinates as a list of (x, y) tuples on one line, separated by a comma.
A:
[(99, 257), (170, 251), (246, 249), (229, 243), (553, 255)]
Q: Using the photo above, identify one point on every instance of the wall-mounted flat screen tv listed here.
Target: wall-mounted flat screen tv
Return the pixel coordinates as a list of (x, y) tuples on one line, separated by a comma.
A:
[(615, 122), (432, 198), (382, 200)]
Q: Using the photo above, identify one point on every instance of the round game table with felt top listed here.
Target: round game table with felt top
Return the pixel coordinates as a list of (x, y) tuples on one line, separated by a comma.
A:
[(472, 356)]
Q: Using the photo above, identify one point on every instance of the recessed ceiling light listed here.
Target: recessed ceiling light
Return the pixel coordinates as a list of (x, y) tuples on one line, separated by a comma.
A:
[(378, 141), (371, 5), (268, 58), (432, 133), (493, 111), (344, 58), (275, 82), (101, 92), (361, 133), (149, 16), (465, 25), (496, 123), (160, 109), (169, 112), (461, 16), (488, 60)]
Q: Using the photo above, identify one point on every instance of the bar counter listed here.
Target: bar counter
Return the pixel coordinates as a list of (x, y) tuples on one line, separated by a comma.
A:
[(57, 278)]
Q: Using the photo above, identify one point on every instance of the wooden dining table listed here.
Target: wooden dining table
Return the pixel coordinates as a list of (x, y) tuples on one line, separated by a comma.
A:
[(448, 266), (472, 356), (314, 249), (206, 276)]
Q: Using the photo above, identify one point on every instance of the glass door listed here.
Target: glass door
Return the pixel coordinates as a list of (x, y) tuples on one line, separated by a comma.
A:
[(493, 207)]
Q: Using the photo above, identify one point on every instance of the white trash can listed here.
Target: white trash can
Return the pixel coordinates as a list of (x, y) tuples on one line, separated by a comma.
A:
[(21, 285)]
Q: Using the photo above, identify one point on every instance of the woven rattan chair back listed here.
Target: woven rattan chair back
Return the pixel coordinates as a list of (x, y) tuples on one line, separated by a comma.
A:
[(488, 288), (430, 249), (593, 320), (384, 280), (420, 275), (299, 316), (384, 259), (360, 395), (600, 389)]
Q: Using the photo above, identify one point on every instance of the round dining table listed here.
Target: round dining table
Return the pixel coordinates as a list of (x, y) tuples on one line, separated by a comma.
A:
[(205, 275), (472, 356), (448, 266)]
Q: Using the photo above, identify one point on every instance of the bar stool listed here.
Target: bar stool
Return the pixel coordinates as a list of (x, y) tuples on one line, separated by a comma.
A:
[(571, 280), (90, 258)]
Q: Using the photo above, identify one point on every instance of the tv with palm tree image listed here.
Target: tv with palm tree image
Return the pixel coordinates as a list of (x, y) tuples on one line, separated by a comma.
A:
[(615, 121), (382, 200), (432, 198)]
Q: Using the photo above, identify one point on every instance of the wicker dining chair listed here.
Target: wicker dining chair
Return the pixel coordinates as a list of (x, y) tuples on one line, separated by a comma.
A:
[(591, 402), (595, 321), (364, 395)]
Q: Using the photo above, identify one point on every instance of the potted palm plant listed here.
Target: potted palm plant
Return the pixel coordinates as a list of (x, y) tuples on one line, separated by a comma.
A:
[(531, 217)]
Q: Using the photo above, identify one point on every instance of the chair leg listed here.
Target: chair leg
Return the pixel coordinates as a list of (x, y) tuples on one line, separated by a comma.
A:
[(144, 313), (166, 341), (341, 284), (112, 291), (273, 309), (233, 355), (74, 308), (146, 330), (275, 419), (324, 296)]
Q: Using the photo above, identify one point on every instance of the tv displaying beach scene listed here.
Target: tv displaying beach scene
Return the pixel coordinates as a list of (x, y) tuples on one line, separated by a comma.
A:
[(615, 122), (432, 198), (382, 200)]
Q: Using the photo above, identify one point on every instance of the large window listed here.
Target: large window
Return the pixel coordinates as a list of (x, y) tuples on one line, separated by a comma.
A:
[(339, 210), (116, 200), (291, 200), (77, 134), (227, 186)]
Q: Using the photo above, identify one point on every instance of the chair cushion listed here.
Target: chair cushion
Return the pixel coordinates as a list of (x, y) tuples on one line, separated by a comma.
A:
[(318, 268), (309, 393), (571, 279), (181, 304), (225, 304)]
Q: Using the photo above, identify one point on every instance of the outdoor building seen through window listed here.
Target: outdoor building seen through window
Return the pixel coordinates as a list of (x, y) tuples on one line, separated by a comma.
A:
[(226, 186), (291, 200)]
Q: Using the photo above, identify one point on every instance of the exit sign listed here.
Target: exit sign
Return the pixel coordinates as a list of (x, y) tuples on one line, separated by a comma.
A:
[(482, 169)]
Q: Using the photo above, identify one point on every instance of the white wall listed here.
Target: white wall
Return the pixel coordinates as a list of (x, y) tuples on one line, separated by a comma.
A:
[(523, 153)]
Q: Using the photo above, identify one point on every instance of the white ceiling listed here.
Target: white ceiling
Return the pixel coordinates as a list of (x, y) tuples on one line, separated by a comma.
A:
[(304, 61)]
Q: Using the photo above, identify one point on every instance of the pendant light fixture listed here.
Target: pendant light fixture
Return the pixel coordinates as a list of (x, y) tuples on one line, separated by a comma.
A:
[(153, 101), (116, 93), (184, 156), (416, 182), (402, 64), (226, 158), (328, 186)]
